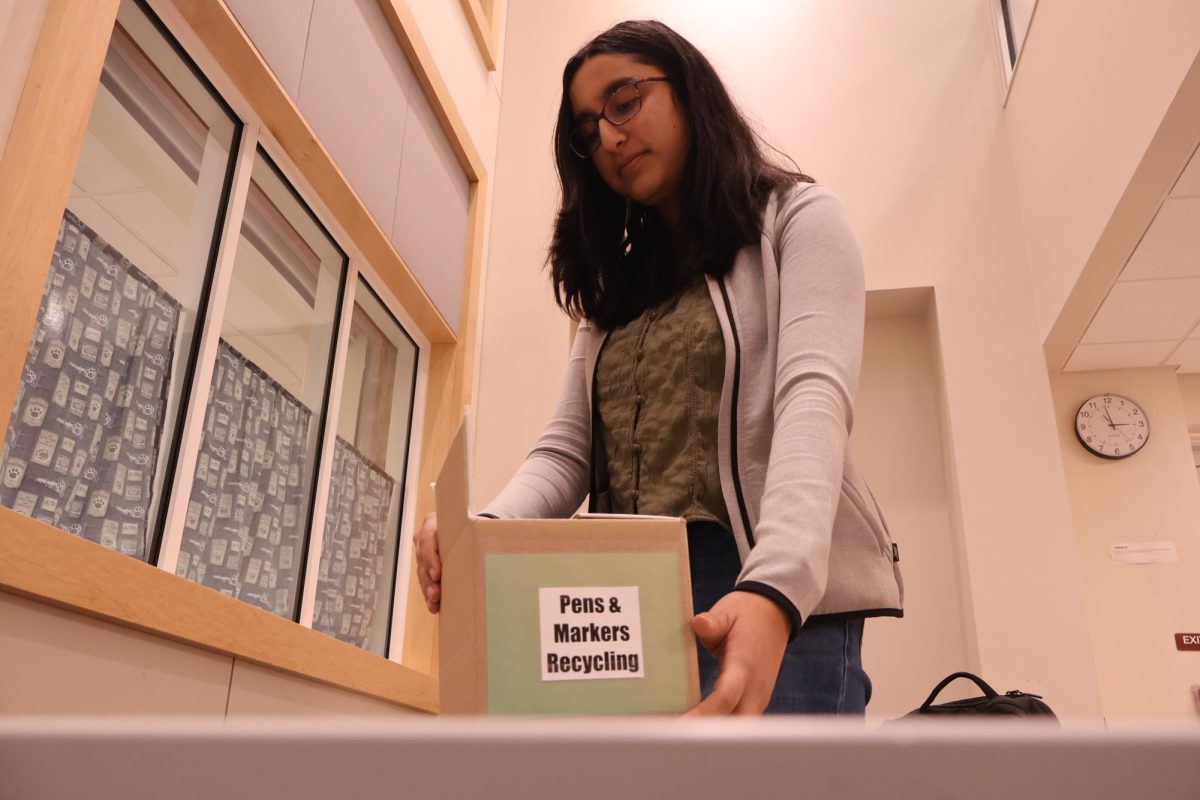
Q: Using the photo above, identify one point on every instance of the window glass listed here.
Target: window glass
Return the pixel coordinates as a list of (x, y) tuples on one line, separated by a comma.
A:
[(92, 439), (356, 583), (248, 513)]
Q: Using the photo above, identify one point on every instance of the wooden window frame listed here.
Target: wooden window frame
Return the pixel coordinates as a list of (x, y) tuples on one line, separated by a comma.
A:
[(484, 17), (36, 170)]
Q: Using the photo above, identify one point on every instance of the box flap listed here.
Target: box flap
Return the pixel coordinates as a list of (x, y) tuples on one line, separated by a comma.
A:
[(453, 488)]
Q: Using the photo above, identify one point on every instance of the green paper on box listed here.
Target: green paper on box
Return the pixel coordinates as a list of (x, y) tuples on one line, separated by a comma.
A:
[(561, 617)]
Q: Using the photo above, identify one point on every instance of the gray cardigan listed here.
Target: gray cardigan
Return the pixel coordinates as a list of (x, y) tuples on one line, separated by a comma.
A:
[(808, 530)]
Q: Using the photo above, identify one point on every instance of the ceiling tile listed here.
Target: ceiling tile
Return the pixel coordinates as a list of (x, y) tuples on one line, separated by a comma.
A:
[(1188, 184), (1122, 355), (1146, 311), (1187, 357), (1171, 246)]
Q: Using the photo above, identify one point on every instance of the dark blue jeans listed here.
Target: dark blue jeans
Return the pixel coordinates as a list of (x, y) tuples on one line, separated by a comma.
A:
[(822, 669)]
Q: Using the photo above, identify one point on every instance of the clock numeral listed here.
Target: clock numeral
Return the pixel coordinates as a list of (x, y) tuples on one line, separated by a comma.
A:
[(1086, 414)]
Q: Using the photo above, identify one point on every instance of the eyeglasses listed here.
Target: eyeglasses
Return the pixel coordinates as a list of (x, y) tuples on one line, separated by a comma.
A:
[(620, 107)]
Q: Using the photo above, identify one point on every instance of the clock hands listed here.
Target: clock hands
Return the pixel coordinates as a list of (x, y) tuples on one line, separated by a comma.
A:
[(1112, 424)]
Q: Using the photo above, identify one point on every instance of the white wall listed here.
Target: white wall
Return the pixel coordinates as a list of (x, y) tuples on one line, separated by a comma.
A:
[(897, 108), (1095, 79), (1135, 610)]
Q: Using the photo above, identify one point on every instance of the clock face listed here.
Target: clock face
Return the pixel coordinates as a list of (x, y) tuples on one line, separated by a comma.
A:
[(1112, 426)]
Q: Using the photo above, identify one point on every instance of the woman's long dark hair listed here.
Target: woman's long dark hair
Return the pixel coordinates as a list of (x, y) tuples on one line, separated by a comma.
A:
[(609, 259)]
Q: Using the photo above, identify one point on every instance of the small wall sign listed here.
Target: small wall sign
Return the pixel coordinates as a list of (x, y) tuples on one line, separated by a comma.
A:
[(1144, 553), (1187, 641)]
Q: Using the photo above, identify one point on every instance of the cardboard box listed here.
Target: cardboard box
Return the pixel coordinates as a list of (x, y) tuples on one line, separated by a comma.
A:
[(570, 616)]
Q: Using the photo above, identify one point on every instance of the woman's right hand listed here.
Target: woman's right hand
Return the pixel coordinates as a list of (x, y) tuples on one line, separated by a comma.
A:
[(429, 563)]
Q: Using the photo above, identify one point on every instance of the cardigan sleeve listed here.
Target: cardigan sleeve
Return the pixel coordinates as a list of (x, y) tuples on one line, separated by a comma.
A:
[(822, 302), (553, 480)]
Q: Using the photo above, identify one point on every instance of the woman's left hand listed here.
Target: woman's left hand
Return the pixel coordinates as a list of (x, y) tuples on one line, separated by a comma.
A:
[(747, 633)]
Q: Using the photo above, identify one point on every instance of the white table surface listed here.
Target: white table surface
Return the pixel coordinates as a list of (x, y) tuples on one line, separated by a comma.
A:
[(327, 757)]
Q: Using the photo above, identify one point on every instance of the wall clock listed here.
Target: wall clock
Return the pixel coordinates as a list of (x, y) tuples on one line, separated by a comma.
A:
[(1112, 426)]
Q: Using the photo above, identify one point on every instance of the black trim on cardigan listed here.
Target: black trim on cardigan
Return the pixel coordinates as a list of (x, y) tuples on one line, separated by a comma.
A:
[(733, 412), (773, 594), (599, 487), (869, 612)]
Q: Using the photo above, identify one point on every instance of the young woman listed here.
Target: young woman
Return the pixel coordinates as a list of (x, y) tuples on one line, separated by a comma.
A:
[(721, 302)]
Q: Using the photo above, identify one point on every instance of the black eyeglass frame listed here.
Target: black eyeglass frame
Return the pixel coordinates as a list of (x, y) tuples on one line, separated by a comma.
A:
[(635, 83)]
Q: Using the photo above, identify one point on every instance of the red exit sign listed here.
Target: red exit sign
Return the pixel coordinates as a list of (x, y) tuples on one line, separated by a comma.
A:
[(1187, 641)]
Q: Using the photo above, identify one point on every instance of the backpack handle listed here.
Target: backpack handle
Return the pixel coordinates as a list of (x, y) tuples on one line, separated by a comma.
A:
[(980, 682)]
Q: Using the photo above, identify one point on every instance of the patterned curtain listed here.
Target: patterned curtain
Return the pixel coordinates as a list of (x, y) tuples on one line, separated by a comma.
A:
[(244, 527), (82, 445), (356, 556)]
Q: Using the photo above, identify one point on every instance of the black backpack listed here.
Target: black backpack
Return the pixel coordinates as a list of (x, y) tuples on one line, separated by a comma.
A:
[(1012, 704)]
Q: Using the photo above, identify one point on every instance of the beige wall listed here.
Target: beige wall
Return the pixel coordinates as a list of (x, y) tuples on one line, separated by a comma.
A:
[(1135, 610), (897, 443), (1189, 390), (898, 108), (1093, 84)]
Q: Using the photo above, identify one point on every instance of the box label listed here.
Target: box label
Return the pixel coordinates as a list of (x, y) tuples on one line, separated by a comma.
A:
[(590, 632), (512, 617)]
